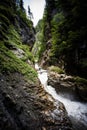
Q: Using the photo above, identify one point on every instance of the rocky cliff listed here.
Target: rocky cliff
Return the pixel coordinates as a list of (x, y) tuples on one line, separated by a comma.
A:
[(26, 31)]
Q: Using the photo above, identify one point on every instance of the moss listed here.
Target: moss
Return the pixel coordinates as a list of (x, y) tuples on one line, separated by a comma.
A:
[(11, 40), (14, 40), (4, 23), (83, 62), (80, 80), (6, 11), (4, 19), (28, 54), (56, 69), (10, 63), (13, 36), (24, 18)]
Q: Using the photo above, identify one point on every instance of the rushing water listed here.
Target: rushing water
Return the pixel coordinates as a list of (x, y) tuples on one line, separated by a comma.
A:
[(77, 111)]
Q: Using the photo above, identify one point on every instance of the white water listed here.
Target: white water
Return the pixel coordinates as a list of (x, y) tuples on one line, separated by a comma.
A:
[(77, 111)]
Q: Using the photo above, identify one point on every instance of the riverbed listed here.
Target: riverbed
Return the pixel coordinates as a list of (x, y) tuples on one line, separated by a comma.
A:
[(77, 111)]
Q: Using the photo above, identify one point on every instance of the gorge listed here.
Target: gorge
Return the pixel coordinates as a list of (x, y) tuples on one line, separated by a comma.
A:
[(55, 97)]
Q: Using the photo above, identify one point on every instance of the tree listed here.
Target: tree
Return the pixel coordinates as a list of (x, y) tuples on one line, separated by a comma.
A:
[(30, 13), (18, 2), (21, 5)]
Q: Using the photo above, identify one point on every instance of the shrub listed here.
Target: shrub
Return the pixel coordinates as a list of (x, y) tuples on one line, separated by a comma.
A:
[(56, 69)]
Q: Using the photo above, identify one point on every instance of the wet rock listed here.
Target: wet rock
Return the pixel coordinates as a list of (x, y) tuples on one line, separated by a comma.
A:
[(26, 106), (18, 52), (67, 86), (81, 91)]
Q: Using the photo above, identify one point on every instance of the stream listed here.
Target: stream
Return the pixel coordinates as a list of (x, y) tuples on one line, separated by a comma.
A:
[(77, 111)]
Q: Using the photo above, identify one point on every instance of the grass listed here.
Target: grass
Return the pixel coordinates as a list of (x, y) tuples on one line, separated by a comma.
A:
[(28, 54), (15, 40), (80, 80), (25, 18), (9, 62), (56, 69)]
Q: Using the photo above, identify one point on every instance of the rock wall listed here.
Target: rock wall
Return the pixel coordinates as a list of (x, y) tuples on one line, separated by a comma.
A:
[(27, 33), (25, 106)]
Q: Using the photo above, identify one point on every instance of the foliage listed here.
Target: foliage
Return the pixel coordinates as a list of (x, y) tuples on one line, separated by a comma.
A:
[(10, 40), (21, 5), (10, 63), (66, 24), (4, 23), (83, 62), (14, 40), (57, 44), (23, 16), (56, 69), (30, 13), (6, 16), (13, 36), (80, 80), (39, 45)]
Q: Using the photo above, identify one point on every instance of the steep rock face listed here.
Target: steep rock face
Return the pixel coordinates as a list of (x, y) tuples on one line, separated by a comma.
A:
[(27, 33), (13, 13)]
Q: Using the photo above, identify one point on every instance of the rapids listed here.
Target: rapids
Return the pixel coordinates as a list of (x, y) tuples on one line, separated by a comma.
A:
[(77, 111)]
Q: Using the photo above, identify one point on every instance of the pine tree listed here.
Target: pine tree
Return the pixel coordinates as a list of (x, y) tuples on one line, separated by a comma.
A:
[(18, 3), (21, 5), (30, 13)]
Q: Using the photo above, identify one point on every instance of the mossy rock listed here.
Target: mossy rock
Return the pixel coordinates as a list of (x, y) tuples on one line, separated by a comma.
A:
[(56, 69)]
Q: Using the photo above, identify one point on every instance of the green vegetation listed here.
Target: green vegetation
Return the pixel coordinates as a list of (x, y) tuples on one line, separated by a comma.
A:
[(10, 40), (13, 38), (65, 24), (59, 46), (80, 80), (39, 46), (10, 63), (25, 18), (56, 69), (15, 41), (6, 17), (28, 55)]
